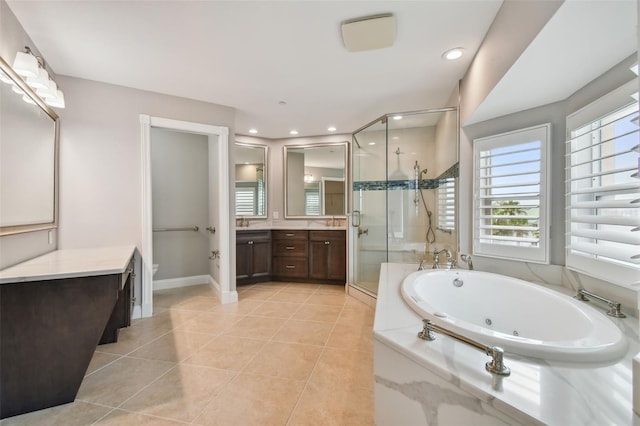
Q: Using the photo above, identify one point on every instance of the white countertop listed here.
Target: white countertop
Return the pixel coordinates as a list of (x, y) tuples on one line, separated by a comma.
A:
[(70, 263), (291, 228), (550, 392)]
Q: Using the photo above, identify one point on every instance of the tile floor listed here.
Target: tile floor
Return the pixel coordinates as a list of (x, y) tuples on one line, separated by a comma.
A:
[(285, 354)]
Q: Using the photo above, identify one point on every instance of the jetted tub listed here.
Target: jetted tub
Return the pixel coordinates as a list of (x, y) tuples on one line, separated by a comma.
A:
[(518, 316)]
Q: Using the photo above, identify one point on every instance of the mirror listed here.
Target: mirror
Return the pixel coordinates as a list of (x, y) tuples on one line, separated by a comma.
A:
[(251, 180), (28, 157), (315, 180)]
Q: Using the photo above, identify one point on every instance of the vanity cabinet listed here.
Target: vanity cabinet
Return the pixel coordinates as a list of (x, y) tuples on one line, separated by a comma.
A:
[(314, 256), (121, 314), (290, 254), (253, 256), (54, 310), (327, 255)]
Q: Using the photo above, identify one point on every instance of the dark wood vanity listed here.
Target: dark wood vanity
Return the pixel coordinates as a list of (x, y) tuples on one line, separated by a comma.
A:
[(54, 311), (291, 255), (253, 256)]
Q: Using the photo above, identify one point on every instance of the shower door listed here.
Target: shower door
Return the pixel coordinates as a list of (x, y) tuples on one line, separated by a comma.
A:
[(369, 206)]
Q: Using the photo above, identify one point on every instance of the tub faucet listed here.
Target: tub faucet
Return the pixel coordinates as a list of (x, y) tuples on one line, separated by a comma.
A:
[(436, 258), (467, 259), (421, 266)]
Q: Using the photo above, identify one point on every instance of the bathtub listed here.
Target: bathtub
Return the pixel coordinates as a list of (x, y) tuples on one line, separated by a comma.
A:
[(518, 316)]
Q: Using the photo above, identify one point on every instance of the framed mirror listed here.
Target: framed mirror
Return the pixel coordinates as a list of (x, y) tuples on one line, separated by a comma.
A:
[(315, 178), (251, 180), (28, 157)]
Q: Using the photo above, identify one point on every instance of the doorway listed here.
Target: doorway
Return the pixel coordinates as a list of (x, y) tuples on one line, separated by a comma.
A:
[(219, 272)]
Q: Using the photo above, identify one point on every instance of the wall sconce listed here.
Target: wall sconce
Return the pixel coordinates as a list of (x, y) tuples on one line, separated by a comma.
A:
[(32, 70)]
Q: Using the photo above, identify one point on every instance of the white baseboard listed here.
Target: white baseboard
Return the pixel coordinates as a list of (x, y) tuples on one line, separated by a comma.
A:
[(180, 282), (137, 312), (226, 296)]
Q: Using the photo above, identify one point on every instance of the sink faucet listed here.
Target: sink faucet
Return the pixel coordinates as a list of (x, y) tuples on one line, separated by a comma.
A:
[(436, 258)]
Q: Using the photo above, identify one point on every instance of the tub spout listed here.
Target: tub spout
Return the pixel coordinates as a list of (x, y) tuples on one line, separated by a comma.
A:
[(436, 258)]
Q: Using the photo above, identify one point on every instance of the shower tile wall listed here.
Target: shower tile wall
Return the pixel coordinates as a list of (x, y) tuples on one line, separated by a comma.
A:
[(407, 221)]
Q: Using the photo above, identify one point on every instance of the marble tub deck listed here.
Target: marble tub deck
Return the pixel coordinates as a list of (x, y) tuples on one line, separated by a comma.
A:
[(445, 380)]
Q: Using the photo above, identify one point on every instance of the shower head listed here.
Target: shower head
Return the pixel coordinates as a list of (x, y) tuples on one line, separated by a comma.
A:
[(423, 172)]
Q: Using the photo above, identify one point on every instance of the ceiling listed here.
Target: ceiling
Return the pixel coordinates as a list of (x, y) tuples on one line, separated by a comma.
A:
[(251, 55)]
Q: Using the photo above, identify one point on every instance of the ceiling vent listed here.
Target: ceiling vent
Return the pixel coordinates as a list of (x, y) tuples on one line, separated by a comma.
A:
[(369, 32)]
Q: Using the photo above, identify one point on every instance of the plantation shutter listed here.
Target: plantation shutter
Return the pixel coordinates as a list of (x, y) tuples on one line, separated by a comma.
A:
[(603, 190), (245, 200), (510, 189), (447, 205), (312, 199)]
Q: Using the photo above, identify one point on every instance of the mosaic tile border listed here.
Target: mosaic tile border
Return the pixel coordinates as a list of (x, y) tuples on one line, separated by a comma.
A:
[(383, 185)]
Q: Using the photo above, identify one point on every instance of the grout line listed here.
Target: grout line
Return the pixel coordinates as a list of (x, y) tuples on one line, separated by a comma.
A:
[(306, 385)]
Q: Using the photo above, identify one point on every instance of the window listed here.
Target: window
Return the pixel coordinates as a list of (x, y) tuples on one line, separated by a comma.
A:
[(312, 198), (250, 198), (510, 195), (447, 205), (602, 189)]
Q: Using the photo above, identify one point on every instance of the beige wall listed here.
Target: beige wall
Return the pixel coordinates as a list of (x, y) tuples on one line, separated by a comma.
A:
[(180, 194)]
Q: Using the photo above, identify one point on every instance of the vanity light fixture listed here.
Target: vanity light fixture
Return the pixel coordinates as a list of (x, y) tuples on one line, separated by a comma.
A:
[(453, 54), (26, 64), (253, 131), (33, 71), (331, 129), (293, 132)]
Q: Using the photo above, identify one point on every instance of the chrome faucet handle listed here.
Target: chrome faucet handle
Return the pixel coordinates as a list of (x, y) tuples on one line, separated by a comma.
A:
[(421, 266)]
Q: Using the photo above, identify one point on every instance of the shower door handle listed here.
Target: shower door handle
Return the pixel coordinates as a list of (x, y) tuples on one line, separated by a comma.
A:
[(355, 219)]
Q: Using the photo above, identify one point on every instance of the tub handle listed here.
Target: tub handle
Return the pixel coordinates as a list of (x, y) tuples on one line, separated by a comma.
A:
[(495, 366)]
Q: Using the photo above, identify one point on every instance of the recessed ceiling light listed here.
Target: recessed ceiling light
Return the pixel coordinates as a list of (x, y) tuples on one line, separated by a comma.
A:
[(293, 132), (253, 131), (372, 143), (331, 129), (397, 117), (453, 54)]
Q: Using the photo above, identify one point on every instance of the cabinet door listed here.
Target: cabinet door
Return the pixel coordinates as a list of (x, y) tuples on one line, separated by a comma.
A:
[(243, 259), (318, 259), (337, 260), (261, 259)]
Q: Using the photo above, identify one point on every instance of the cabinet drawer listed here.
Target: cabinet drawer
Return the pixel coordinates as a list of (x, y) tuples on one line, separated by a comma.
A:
[(290, 235), (294, 267), (246, 236), (297, 248), (326, 235)]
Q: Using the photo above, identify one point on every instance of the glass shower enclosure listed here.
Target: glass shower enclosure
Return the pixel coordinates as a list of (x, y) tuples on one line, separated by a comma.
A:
[(404, 175)]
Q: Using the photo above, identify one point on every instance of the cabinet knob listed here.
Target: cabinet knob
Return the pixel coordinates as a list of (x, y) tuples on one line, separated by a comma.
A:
[(290, 248), (290, 267), (327, 242), (290, 235)]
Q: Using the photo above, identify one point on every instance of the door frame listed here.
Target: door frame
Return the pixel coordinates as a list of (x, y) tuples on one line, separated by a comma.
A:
[(220, 186)]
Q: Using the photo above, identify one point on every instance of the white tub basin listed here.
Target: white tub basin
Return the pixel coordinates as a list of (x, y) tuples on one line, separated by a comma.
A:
[(520, 317)]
